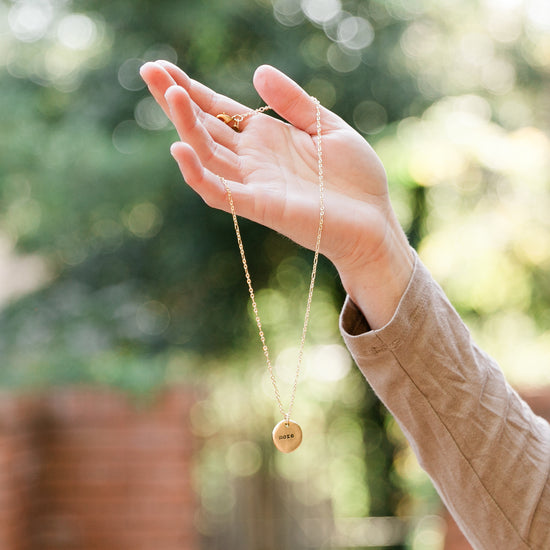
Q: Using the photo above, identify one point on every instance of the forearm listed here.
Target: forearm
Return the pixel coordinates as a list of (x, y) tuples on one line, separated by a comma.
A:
[(486, 452)]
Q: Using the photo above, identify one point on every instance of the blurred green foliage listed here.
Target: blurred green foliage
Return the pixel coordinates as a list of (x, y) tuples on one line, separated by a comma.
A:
[(118, 274)]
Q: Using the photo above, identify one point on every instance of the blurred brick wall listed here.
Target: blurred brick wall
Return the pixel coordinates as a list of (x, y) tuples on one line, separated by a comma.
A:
[(18, 470), (85, 469), (539, 401)]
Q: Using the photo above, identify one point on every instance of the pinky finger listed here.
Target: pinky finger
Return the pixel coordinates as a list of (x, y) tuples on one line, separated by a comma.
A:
[(207, 184)]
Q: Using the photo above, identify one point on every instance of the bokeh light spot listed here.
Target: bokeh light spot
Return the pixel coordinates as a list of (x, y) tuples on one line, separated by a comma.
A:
[(29, 19), (321, 11), (420, 39), (499, 76), (342, 61), (144, 220), (355, 33), (370, 117), (429, 534), (128, 75), (127, 138), (150, 116), (329, 363), (152, 318), (323, 90), (288, 12), (77, 31), (538, 14), (161, 51), (314, 51), (243, 458)]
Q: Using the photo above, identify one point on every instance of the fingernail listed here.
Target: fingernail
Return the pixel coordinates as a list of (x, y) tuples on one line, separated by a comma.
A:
[(173, 149), (168, 92), (144, 66)]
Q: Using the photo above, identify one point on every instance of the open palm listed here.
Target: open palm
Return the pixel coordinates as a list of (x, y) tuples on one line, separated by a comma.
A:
[(271, 167)]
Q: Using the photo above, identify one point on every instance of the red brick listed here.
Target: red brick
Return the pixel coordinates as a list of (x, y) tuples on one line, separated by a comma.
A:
[(103, 472)]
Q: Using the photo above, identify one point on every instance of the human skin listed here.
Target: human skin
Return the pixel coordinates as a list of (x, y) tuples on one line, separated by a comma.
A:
[(272, 172)]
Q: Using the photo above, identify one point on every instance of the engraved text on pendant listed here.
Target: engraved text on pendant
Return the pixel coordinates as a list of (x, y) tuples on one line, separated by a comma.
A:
[(287, 436)]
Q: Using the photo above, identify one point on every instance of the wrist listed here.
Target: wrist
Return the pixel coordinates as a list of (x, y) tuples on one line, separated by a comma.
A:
[(377, 284)]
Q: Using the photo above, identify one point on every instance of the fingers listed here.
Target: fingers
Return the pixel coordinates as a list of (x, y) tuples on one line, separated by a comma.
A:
[(208, 100), (290, 101), (158, 81), (184, 111), (179, 76), (278, 90), (212, 140), (208, 185), (195, 128)]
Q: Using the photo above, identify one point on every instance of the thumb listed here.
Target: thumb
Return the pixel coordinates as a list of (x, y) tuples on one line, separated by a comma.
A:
[(286, 98)]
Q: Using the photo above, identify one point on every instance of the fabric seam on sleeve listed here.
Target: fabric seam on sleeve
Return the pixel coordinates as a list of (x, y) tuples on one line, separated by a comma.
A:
[(470, 466)]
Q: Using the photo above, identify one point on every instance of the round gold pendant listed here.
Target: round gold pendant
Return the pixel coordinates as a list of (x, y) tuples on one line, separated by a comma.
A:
[(287, 436)]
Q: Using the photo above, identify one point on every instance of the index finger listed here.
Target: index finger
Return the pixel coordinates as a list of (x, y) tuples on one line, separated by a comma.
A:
[(158, 80), (207, 99)]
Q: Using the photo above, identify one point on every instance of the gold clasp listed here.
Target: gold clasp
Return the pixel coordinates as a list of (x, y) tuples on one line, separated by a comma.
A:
[(231, 121)]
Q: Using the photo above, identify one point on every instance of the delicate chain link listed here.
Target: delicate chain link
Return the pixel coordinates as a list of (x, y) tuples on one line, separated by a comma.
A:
[(239, 118), (287, 414)]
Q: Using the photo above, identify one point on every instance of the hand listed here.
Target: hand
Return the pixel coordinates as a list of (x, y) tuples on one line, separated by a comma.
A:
[(271, 170)]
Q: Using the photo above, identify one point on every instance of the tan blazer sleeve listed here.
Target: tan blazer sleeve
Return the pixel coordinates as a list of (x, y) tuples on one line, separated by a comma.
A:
[(487, 453)]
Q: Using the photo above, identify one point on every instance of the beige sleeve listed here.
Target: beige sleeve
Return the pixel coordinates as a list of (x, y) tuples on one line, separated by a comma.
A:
[(487, 453)]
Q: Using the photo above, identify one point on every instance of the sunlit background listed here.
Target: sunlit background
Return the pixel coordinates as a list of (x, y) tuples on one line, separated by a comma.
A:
[(112, 273)]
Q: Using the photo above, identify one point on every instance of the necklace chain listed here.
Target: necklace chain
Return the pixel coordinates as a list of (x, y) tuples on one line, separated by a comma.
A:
[(237, 119)]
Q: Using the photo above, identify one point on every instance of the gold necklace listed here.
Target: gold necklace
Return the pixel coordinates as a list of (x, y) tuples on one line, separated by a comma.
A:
[(287, 434)]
